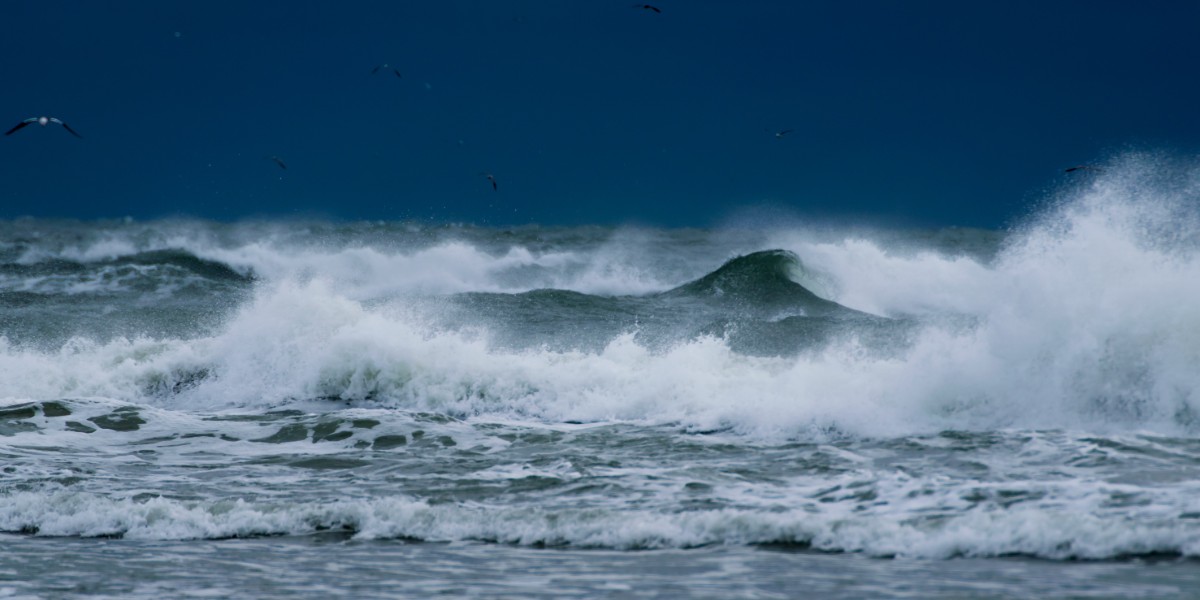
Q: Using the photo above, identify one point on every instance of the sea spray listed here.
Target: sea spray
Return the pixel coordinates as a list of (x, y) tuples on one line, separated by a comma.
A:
[(892, 393)]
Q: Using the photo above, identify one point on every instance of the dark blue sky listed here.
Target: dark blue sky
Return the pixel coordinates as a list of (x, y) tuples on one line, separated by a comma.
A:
[(587, 111)]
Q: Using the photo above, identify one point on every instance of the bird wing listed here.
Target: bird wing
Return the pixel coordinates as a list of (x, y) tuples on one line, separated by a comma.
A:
[(279, 161), (18, 126), (653, 8), (376, 69), (397, 72), (68, 128)]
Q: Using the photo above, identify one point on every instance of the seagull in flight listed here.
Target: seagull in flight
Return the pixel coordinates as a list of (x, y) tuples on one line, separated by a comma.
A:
[(491, 178), (43, 121), (385, 66), (648, 7)]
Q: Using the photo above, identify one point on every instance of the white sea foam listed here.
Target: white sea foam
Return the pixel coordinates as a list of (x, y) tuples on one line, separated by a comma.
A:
[(107, 248), (368, 272), (627, 264), (151, 280), (1073, 526), (1085, 319), (305, 341)]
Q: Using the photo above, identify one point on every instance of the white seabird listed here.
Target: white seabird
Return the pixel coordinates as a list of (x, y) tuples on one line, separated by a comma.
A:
[(43, 121)]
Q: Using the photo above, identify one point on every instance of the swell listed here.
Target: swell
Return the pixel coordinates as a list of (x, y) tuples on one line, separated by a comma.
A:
[(169, 293), (188, 262), (758, 283), (750, 301), (182, 260)]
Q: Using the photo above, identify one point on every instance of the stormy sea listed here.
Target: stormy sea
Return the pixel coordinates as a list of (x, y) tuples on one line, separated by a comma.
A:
[(772, 408)]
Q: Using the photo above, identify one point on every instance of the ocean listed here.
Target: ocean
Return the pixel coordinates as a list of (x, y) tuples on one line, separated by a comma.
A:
[(767, 409)]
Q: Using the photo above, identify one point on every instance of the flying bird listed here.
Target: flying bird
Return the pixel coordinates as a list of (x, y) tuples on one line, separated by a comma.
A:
[(1082, 168), (648, 7), (385, 66), (43, 121), (491, 178), (278, 161), (780, 134)]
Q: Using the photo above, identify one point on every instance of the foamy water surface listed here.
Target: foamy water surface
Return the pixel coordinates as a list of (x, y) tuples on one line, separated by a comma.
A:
[(935, 396)]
